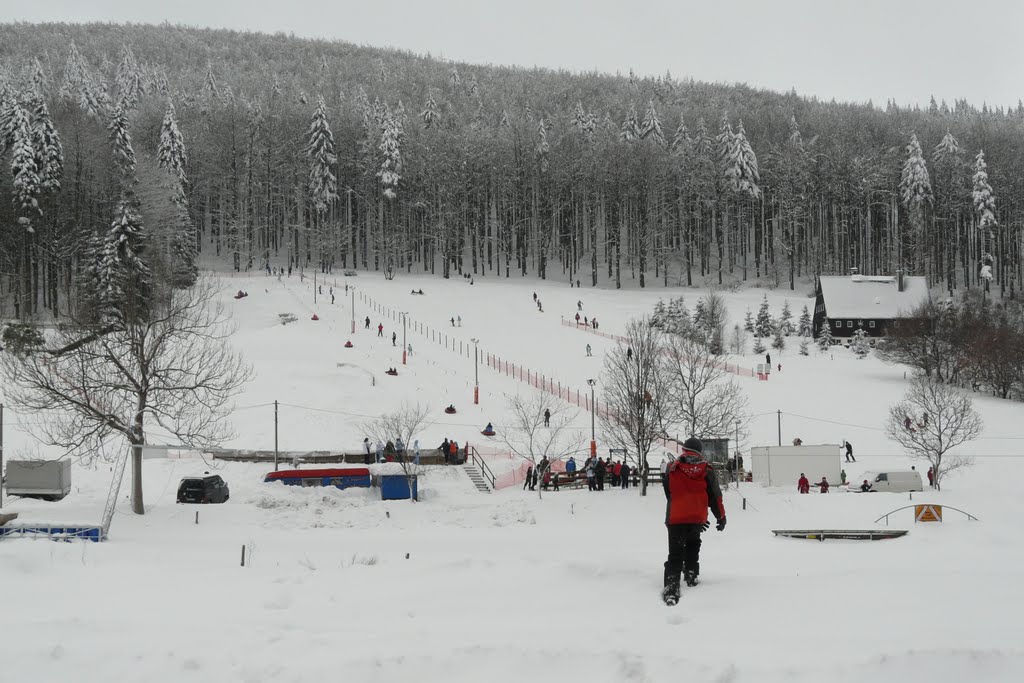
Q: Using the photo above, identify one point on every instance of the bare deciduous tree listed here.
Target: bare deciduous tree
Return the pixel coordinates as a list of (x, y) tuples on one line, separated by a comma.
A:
[(539, 439), (406, 423), (941, 418), (708, 403), (172, 367), (637, 394)]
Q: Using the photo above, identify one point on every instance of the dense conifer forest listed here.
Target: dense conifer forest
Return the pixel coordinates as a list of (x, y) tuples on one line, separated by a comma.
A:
[(146, 149)]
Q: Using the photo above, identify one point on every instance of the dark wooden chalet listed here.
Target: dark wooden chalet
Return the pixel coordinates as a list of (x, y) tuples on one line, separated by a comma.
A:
[(869, 301)]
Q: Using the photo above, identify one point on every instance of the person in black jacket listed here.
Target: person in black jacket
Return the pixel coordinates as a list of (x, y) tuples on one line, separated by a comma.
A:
[(624, 476), (599, 471), (849, 453), (691, 488), (445, 447)]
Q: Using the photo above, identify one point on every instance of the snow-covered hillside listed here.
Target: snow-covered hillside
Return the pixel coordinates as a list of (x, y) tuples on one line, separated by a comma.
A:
[(467, 586)]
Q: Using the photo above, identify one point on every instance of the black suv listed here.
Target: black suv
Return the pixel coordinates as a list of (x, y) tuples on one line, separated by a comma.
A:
[(209, 488)]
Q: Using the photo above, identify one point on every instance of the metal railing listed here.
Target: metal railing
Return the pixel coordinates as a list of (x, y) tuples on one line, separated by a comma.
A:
[(476, 459), (944, 507)]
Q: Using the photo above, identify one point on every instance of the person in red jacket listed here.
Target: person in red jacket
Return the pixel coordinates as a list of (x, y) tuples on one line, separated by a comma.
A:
[(691, 488), (823, 485), (803, 485)]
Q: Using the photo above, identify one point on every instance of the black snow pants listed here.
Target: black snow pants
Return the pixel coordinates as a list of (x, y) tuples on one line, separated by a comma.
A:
[(683, 551)]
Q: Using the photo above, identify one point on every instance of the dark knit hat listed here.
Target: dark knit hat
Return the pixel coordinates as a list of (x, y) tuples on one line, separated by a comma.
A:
[(694, 444)]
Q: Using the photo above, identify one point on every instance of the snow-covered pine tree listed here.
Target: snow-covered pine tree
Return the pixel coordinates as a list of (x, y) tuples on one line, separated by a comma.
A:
[(454, 80), (681, 138), (916, 193), (123, 275), (745, 175), (651, 127), (748, 321), (323, 184), (677, 316), (658, 317), (210, 84), (23, 164), (170, 151), (431, 115), (506, 120), (778, 341), (74, 75), (805, 326), (763, 326), (121, 144), (984, 204), (859, 343), (700, 318), (46, 143), (804, 346), (759, 346), (171, 157), (630, 126), (825, 338), (785, 325), (391, 152), (472, 87), (128, 81)]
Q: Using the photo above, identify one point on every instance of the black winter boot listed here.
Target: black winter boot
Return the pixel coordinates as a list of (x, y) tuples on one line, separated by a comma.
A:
[(670, 593), (691, 578)]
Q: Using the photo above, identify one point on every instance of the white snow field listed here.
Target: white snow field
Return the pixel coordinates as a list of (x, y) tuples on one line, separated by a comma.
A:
[(470, 586)]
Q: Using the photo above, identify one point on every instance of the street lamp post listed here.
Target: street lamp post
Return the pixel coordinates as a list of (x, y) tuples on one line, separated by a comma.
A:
[(476, 371), (593, 412), (404, 347)]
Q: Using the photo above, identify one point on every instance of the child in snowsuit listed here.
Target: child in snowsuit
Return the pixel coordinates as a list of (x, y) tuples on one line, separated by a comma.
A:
[(691, 489), (803, 485)]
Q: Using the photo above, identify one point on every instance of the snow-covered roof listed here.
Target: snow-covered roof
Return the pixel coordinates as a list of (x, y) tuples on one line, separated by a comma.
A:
[(861, 296)]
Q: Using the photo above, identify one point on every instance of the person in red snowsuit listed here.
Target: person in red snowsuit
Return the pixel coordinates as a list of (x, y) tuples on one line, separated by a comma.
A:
[(691, 488), (931, 477), (380, 330), (803, 485), (823, 484)]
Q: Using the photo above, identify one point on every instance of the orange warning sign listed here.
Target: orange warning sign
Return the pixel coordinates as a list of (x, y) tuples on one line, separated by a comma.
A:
[(927, 513)]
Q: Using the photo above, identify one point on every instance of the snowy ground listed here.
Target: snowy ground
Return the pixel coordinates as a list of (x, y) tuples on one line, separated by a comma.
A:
[(467, 586)]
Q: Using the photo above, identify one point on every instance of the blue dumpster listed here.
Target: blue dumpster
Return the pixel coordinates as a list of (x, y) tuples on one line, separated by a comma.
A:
[(396, 487)]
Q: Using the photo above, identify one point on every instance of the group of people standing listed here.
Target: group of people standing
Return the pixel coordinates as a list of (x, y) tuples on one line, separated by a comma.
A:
[(389, 451)]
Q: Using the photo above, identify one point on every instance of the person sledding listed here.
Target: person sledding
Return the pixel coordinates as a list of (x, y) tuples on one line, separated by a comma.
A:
[(348, 344), (450, 409), (488, 430), (391, 371)]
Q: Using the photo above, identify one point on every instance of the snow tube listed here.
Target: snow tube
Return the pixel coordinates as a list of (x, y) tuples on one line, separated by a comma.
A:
[(314, 317), (488, 433), (348, 345), (450, 411)]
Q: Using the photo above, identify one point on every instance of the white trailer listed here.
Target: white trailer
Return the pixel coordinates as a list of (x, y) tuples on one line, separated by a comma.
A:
[(47, 479), (782, 465)]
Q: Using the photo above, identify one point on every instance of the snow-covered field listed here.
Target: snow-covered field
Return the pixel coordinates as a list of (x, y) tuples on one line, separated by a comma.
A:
[(467, 586)]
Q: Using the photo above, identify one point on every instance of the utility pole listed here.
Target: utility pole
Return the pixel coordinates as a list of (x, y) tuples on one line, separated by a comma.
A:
[(404, 347), (476, 371), (353, 309), (1, 454), (780, 426), (275, 436), (314, 288), (593, 412)]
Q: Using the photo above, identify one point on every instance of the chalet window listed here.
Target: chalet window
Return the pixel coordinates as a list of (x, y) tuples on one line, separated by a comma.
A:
[(839, 323), (871, 324), (849, 323)]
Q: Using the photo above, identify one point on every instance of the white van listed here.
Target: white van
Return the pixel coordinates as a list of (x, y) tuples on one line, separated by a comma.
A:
[(892, 482)]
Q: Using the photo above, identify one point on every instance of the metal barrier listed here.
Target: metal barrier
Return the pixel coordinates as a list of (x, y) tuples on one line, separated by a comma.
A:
[(944, 507)]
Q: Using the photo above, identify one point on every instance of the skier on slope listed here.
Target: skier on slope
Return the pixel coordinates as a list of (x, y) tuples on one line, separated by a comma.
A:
[(380, 329), (691, 488)]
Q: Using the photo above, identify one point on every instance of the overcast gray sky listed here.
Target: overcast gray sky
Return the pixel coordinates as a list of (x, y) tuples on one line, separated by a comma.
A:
[(848, 50)]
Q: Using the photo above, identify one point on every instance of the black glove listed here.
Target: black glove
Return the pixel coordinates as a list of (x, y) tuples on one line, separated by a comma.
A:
[(721, 524), (704, 526)]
